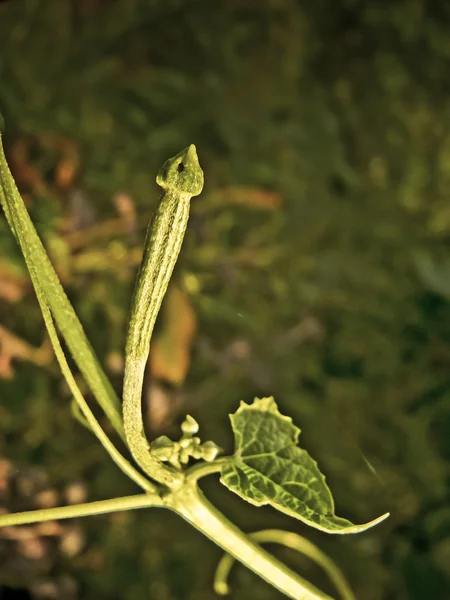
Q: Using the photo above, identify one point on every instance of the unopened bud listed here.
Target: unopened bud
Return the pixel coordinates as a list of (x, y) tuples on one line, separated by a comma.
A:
[(162, 448), (209, 451), (184, 456), (189, 426)]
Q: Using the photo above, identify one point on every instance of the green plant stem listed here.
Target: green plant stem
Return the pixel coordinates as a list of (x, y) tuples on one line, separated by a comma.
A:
[(190, 503), (82, 510), (92, 422), (203, 469), (94, 425), (68, 323), (137, 441), (163, 244), (291, 540), (181, 177)]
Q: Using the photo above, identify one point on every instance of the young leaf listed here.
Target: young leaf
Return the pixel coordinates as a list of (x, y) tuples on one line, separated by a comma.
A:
[(269, 468)]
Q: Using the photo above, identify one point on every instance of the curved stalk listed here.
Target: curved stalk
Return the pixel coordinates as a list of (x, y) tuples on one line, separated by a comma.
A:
[(91, 421), (190, 503), (181, 177), (44, 305), (63, 313)]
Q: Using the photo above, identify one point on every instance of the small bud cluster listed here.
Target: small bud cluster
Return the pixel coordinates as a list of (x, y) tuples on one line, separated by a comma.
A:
[(189, 446)]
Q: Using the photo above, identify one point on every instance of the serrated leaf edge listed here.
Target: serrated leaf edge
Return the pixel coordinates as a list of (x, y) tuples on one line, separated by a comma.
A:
[(268, 404)]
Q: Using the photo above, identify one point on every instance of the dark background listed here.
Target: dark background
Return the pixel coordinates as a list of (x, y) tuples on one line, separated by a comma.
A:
[(316, 268)]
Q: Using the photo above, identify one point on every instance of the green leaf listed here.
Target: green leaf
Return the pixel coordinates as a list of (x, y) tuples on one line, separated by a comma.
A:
[(269, 468)]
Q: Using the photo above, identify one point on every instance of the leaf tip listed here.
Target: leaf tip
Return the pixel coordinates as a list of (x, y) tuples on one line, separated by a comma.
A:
[(364, 526)]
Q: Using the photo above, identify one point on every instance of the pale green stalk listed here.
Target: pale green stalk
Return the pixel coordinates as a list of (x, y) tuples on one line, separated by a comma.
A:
[(202, 469), (81, 510), (37, 262), (94, 425), (181, 178)]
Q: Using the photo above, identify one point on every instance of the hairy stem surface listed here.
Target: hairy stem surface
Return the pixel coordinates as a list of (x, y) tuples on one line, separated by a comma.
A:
[(181, 178)]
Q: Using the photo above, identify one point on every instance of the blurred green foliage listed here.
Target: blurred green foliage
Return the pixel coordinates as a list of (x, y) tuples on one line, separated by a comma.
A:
[(335, 301)]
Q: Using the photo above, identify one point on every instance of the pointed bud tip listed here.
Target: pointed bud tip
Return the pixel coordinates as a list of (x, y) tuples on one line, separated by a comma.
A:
[(191, 155), (182, 173), (189, 426)]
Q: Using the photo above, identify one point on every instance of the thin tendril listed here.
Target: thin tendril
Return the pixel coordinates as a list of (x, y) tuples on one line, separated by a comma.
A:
[(290, 540)]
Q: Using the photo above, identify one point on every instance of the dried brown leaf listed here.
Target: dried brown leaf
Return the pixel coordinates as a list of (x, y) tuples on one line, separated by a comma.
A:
[(170, 355)]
